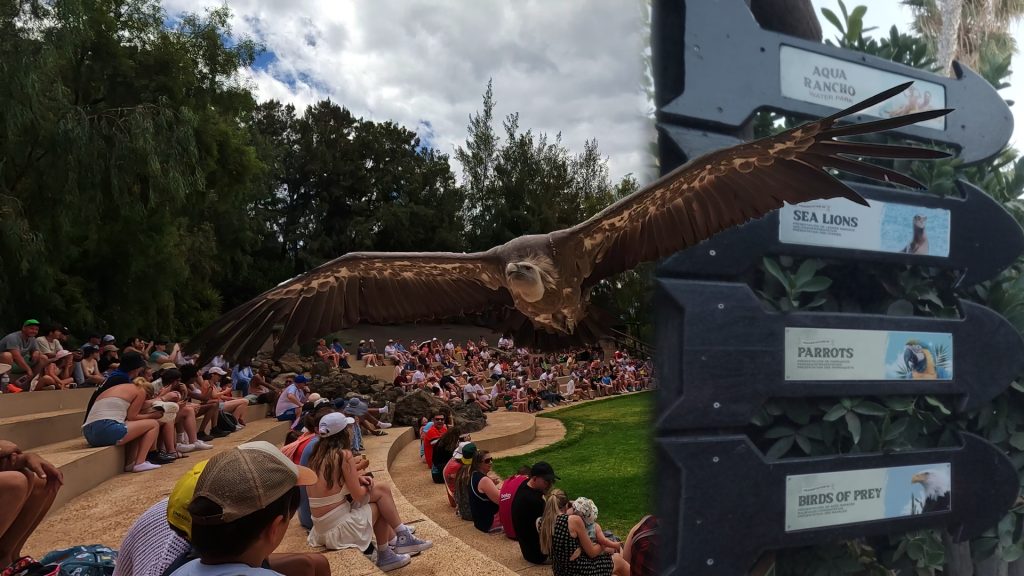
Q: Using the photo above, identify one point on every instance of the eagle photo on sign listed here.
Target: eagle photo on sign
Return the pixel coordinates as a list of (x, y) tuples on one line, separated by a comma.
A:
[(546, 279)]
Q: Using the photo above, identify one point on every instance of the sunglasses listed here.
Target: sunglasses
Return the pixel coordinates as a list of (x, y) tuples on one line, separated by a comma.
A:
[(488, 460)]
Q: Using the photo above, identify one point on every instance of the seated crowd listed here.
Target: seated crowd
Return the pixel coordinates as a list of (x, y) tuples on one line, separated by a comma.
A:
[(156, 402), (526, 507)]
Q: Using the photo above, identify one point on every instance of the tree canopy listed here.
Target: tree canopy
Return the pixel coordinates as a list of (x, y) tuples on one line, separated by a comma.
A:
[(145, 190)]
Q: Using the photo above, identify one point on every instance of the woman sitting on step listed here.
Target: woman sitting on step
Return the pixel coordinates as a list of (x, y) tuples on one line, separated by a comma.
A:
[(475, 480), (114, 416), (564, 538), (350, 509)]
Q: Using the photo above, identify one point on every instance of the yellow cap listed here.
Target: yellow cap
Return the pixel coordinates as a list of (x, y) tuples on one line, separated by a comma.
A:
[(181, 497)]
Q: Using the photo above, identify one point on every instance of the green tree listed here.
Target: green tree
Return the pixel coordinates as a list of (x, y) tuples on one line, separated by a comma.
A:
[(124, 166)]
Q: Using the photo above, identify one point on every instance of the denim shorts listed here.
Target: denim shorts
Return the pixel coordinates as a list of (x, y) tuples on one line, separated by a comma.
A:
[(104, 432)]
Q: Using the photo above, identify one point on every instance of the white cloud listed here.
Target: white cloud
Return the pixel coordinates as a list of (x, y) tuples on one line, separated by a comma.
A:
[(569, 67)]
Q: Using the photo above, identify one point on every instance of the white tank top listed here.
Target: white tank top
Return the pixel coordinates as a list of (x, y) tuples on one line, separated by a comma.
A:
[(108, 409)]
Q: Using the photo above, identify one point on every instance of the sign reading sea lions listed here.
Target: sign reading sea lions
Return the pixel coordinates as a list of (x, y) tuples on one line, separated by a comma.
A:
[(837, 498), (729, 354), (834, 354), (972, 233), (731, 503), (820, 79), (882, 227)]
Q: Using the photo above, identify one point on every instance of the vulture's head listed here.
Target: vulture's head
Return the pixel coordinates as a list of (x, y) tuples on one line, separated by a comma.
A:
[(934, 482), (531, 277)]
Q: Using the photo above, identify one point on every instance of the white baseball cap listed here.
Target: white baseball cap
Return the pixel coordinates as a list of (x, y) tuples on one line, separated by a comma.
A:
[(333, 423)]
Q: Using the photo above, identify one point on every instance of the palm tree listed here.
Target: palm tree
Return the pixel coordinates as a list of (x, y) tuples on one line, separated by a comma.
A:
[(970, 31)]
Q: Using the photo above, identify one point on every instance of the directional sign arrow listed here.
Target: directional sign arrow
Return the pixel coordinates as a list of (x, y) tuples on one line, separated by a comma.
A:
[(713, 486), (980, 237), (725, 354), (733, 68)]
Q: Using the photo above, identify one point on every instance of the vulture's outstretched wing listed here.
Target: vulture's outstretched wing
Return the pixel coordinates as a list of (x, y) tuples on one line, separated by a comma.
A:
[(379, 288), (729, 187)]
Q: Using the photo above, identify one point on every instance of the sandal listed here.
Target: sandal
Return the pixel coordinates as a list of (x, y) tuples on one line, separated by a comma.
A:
[(379, 433)]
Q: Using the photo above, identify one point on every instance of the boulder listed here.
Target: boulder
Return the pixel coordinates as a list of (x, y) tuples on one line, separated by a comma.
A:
[(469, 417), (418, 404), (292, 362)]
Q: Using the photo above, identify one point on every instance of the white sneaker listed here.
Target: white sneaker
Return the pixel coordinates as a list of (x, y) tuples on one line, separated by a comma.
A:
[(383, 425), (182, 438), (200, 445), (186, 448), (145, 467), (239, 427), (384, 409)]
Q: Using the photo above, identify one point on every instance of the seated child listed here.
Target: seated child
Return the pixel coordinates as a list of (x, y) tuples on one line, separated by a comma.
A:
[(587, 510)]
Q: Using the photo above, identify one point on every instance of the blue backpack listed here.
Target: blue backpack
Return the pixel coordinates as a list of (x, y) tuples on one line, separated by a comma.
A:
[(94, 560)]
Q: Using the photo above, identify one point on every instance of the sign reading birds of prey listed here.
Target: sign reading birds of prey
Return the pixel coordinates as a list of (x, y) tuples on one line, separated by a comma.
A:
[(733, 68), (723, 485), (898, 228), (545, 280), (732, 354)]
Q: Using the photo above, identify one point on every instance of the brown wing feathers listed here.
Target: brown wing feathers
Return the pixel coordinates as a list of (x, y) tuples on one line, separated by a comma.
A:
[(382, 288), (731, 186)]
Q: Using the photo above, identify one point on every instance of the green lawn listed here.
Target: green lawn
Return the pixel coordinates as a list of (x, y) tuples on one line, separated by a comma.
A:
[(606, 455)]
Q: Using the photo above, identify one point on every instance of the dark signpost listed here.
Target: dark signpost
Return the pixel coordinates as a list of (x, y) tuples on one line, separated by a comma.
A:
[(899, 228), (734, 355), (722, 354), (737, 504), (733, 68)]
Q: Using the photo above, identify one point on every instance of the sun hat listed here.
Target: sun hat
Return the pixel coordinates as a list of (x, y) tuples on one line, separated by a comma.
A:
[(170, 410), (181, 497), (333, 423), (5, 368), (217, 370), (245, 480), (62, 354), (110, 348), (355, 407), (167, 366), (586, 509)]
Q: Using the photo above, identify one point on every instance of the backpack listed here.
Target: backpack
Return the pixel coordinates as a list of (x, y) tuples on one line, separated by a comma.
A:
[(643, 560), (94, 560), (226, 422)]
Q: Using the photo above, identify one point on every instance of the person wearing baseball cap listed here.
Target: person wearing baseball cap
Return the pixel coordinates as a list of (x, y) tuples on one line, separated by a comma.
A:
[(159, 543), (527, 506), (240, 509), (351, 510), (21, 351)]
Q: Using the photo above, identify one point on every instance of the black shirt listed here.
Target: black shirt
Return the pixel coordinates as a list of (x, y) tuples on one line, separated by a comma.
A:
[(527, 506), (482, 507)]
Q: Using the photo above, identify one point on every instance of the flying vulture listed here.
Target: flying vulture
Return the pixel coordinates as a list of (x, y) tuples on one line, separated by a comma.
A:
[(936, 490), (547, 278)]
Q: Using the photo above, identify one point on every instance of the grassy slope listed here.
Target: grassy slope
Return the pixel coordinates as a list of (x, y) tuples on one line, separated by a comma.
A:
[(606, 456)]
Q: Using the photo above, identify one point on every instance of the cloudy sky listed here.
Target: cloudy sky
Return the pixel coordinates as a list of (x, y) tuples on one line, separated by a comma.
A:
[(570, 66)]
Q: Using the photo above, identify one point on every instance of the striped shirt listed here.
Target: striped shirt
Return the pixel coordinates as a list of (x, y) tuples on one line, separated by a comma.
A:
[(150, 546)]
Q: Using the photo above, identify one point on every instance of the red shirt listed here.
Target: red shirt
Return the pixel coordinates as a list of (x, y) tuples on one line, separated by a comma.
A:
[(450, 470), (505, 495), (428, 449)]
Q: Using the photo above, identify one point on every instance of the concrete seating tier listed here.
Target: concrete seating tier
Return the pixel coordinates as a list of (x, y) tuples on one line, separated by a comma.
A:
[(50, 423)]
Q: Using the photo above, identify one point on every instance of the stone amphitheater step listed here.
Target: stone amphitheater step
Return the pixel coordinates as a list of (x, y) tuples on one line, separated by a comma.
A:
[(30, 430), (85, 467), (35, 402)]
